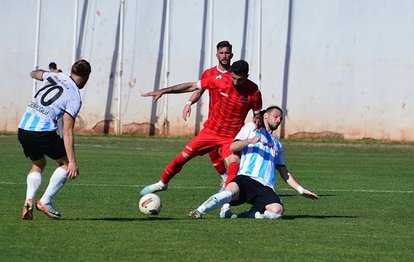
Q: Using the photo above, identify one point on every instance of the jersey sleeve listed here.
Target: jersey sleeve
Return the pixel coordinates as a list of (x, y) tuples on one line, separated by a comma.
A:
[(73, 102), (280, 160), (207, 83), (247, 131), (45, 75)]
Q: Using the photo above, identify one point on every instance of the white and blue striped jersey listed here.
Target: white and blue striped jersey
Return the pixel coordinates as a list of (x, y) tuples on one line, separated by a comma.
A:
[(57, 94), (259, 160)]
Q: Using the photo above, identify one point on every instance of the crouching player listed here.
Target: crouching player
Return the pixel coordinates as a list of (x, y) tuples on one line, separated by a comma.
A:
[(262, 154)]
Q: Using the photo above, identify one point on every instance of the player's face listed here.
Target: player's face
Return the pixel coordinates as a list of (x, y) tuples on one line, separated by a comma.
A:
[(238, 80), (273, 118), (224, 56)]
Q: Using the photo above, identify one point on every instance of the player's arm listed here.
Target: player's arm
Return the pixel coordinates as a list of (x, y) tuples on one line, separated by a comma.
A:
[(68, 140), (37, 74), (193, 99), (238, 145), (176, 89), (258, 119), (290, 180), (257, 107)]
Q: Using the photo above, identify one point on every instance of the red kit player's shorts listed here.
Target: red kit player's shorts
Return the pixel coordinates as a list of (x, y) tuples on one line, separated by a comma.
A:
[(206, 141)]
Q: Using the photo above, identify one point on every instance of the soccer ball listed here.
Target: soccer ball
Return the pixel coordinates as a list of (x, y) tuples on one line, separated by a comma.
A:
[(150, 204)]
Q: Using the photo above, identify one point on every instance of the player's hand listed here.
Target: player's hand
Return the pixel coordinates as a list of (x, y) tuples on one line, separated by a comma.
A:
[(258, 121), (309, 194), (73, 170), (156, 94), (186, 111), (253, 140)]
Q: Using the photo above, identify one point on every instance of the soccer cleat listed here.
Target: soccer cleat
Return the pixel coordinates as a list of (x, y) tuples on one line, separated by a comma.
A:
[(49, 210), (153, 188), (226, 212), (27, 213), (195, 214), (251, 213)]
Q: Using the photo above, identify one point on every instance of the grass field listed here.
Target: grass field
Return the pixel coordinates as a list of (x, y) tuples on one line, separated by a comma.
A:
[(365, 213)]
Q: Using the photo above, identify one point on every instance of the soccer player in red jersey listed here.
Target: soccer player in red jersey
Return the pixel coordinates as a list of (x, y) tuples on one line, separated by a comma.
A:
[(238, 95), (224, 55)]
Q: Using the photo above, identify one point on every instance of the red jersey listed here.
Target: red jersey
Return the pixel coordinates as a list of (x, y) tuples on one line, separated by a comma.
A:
[(213, 94), (228, 114)]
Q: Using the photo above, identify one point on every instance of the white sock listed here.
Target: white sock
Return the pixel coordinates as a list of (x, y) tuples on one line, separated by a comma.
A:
[(56, 182), (215, 201), (268, 215), (34, 180)]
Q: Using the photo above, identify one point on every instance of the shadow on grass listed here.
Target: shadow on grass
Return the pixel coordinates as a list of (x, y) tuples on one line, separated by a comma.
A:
[(297, 195), (293, 217)]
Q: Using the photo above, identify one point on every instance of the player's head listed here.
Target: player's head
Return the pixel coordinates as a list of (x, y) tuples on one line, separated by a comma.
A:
[(224, 53), (239, 72), (52, 66), (80, 72), (272, 117)]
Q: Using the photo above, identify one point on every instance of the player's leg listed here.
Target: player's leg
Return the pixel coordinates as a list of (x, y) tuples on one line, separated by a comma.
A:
[(34, 180), (273, 211), (199, 145), (268, 203), (32, 150), (217, 200), (173, 168), (55, 149), (218, 163), (232, 161)]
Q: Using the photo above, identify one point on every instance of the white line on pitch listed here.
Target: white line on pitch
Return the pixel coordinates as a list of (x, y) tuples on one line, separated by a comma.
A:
[(209, 187)]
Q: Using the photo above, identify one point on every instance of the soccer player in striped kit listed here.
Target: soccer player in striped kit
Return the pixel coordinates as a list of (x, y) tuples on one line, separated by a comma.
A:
[(57, 98), (224, 55), (238, 95), (262, 154)]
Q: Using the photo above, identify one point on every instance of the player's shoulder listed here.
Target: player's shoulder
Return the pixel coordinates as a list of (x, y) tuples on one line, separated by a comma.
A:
[(277, 142), (210, 72), (252, 85), (251, 126)]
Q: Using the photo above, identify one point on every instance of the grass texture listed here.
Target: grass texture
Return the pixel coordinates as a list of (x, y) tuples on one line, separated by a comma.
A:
[(365, 213)]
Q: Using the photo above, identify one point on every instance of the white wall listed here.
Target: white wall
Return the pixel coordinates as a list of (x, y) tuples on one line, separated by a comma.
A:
[(351, 66)]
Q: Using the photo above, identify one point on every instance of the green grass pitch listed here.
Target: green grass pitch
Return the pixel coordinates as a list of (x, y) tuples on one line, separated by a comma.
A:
[(365, 213)]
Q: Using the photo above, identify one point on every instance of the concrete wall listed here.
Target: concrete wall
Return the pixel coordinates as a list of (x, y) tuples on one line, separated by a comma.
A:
[(348, 68)]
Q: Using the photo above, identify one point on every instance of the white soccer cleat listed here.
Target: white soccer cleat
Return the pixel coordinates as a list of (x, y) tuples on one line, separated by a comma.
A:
[(49, 210), (159, 186)]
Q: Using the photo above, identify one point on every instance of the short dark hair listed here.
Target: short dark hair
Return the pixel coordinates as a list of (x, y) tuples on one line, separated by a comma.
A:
[(271, 108), (240, 67), (224, 44), (52, 65), (81, 68)]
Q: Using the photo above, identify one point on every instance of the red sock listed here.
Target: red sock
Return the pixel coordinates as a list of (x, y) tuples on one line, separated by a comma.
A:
[(173, 168), (220, 167), (231, 172)]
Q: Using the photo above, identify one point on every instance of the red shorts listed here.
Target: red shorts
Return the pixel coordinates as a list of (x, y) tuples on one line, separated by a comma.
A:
[(206, 141)]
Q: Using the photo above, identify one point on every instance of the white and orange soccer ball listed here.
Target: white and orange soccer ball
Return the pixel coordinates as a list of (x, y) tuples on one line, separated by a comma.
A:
[(150, 204)]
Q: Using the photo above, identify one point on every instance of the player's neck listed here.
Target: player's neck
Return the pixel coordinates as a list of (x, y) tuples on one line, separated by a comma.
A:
[(222, 68)]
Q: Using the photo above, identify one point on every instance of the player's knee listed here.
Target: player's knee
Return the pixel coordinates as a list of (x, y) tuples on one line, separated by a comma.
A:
[(275, 208)]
